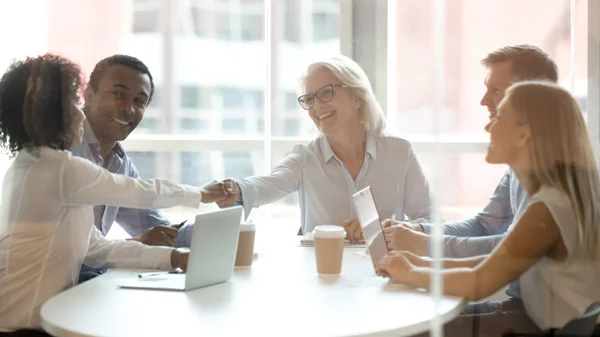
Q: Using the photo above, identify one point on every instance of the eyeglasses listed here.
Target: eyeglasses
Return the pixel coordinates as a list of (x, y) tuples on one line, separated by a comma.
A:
[(325, 94)]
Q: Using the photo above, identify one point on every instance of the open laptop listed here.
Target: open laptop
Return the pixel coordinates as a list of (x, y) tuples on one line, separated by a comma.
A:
[(212, 255), (370, 224)]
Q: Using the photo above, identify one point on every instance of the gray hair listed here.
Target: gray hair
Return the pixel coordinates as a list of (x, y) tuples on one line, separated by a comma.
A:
[(355, 78)]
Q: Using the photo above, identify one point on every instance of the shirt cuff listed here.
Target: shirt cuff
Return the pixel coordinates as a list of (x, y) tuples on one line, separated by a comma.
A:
[(241, 202), (248, 195), (192, 196), (184, 236), (426, 227), (157, 258), (428, 247)]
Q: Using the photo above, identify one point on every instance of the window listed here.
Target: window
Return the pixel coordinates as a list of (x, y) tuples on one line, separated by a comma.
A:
[(237, 164), (412, 111), (240, 98), (147, 125), (248, 28), (145, 21), (201, 21), (146, 16), (315, 39), (195, 168), (155, 102), (193, 124), (234, 125), (190, 97), (291, 101), (145, 162), (293, 33), (325, 26), (292, 127), (227, 100), (252, 27), (260, 125), (582, 101), (224, 29)]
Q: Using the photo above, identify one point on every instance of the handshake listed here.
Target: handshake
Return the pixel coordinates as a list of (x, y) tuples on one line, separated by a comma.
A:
[(225, 193)]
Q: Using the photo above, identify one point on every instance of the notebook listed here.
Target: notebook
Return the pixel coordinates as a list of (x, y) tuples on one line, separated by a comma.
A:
[(308, 241)]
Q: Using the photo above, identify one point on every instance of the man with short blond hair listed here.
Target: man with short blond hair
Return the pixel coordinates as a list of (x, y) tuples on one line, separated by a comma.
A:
[(480, 234), (527, 62)]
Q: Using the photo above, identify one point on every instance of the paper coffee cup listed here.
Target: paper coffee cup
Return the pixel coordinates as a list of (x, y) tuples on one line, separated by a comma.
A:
[(245, 248), (329, 249)]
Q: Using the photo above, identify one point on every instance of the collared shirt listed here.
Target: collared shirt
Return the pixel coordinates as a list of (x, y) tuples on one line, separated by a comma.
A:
[(47, 232), (480, 234), (326, 186), (133, 221)]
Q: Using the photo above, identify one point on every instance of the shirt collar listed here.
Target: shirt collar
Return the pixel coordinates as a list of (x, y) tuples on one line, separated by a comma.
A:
[(88, 134), (327, 151), (92, 141), (371, 146)]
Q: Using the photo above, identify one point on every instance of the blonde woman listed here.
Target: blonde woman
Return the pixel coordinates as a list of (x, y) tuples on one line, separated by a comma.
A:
[(554, 247), (351, 153)]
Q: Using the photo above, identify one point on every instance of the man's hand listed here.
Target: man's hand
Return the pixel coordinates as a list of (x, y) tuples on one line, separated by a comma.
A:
[(353, 230), (158, 236), (401, 237), (179, 259), (234, 194), (414, 226), (214, 191)]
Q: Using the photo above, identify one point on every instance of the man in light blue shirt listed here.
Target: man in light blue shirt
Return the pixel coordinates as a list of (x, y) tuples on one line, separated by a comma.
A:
[(119, 90), (480, 234), (141, 224)]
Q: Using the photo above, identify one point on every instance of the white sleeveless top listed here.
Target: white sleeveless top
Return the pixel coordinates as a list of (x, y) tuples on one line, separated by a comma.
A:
[(556, 292)]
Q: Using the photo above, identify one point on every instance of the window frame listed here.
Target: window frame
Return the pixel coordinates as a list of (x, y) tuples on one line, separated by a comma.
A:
[(357, 40)]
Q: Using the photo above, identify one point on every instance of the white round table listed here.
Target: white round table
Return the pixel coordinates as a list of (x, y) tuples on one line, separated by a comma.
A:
[(280, 295)]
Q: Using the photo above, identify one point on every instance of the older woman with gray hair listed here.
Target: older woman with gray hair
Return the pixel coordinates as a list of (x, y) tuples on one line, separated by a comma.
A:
[(351, 153)]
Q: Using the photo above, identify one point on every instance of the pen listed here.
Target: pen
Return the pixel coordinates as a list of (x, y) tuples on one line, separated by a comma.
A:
[(144, 275), (180, 225), (382, 229)]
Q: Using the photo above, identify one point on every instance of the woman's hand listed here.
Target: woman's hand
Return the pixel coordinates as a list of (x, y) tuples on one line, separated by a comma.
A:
[(395, 265)]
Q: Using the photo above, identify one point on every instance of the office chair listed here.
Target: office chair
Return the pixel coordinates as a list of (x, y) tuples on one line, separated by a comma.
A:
[(583, 326)]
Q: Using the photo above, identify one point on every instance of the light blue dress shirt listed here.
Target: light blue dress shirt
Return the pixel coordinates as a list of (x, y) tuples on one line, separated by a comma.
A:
[(326, 186), (480, 234), (133, 221)]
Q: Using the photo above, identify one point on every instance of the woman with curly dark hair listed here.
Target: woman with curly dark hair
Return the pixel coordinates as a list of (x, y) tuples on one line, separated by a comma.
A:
[(46, 220)]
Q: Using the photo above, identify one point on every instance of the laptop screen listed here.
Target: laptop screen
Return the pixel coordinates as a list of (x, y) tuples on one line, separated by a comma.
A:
[(368, 217)]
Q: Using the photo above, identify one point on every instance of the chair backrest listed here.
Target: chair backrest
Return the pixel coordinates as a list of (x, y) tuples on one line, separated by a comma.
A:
[(583, 325)]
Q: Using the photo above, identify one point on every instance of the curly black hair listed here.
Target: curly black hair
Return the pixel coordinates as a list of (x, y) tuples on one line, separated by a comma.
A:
[(35, 98), (122, 60)]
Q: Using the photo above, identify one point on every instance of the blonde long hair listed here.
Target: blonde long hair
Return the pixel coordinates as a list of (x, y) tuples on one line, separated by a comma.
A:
[(561, 152)]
